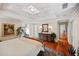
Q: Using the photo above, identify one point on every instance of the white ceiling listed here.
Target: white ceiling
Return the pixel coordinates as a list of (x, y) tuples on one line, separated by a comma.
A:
[(46, 11)]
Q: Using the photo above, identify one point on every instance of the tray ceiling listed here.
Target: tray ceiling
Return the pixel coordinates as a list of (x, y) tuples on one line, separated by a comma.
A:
[(33, 11)]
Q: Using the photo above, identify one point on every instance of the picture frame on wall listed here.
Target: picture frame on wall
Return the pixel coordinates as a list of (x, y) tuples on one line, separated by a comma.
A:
[(8, 29), (44, 27)]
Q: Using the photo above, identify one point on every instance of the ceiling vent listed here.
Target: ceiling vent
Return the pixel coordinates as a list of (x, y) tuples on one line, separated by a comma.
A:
[(65, 5)]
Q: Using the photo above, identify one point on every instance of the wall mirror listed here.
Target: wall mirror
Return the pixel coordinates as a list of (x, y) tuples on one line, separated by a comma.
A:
[(44, 27), (63, 27)]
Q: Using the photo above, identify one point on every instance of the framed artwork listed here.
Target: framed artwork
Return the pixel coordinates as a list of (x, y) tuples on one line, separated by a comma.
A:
[(44, 27), (8, 29)]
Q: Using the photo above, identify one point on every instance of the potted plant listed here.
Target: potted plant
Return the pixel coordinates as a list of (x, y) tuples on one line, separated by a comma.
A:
[(53, 35)]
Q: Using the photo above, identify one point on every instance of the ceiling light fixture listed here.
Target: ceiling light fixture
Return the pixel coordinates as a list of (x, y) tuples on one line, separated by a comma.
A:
[(31, 10)]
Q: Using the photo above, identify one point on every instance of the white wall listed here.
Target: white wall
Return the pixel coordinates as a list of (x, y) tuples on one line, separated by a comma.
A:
[(35, 29), (76, 28)]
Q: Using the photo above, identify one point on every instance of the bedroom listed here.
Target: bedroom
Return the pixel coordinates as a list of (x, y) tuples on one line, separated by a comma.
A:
[(37, 21)]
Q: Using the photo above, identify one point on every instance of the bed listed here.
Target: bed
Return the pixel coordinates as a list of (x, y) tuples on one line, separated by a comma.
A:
[(20, 47)]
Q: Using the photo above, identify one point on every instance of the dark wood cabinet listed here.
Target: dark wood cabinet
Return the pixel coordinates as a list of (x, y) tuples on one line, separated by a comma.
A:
[(45, 36)]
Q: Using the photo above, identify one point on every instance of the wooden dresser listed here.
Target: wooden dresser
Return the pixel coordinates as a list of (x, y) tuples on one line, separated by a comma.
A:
[(45, 36)]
